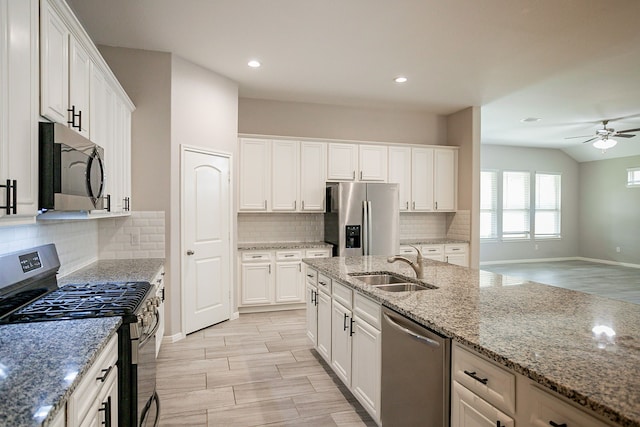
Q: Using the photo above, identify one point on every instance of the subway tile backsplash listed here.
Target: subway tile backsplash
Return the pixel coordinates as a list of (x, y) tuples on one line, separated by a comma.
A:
[(140, 235), (459, 225)]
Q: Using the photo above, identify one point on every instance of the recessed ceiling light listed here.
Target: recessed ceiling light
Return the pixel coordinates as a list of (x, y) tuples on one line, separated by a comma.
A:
[(530, 119), (400, 79), (254, 63)]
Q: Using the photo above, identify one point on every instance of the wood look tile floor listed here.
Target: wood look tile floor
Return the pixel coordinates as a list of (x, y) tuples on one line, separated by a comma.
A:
[(611, 281), (258, 370)]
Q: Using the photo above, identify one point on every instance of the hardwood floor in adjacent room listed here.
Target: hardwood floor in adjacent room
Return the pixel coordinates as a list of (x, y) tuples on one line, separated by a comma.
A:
[(258, 370), (611, 281)]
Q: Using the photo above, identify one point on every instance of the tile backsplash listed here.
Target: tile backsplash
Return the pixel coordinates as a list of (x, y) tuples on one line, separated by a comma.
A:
[(459, 225), (140, 235)]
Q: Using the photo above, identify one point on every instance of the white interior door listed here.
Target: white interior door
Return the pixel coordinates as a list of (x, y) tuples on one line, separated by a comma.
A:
[(206, 222)]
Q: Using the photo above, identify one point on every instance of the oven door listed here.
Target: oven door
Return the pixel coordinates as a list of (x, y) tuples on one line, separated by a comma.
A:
[(148, 403)]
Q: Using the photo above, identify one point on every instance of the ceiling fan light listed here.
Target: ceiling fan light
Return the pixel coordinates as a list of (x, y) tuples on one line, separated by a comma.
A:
[(605, 143)]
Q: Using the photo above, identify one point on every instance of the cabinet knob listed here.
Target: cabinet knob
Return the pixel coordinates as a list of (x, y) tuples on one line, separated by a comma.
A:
[(190, 252)]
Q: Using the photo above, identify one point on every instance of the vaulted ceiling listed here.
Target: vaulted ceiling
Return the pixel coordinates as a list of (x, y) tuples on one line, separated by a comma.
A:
[(571, 63)]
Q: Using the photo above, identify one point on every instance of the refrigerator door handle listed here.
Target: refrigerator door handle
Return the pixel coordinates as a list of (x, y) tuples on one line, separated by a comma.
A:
[(369, 227), (365, 228)]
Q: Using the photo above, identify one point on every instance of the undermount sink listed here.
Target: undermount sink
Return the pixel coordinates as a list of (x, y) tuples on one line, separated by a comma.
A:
[(390, 282)]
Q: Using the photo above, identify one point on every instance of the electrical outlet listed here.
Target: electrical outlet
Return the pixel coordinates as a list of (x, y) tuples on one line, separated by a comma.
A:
[(135, 238), (618, 249), (536, 247)]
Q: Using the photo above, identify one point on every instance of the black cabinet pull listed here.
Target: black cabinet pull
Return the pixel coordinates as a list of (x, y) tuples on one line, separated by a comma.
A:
[(351, 327), (498, 424), (477, 378), (106, 408), (12, 194), (108, 208), (344, 322), (551, 423), (72, 122), (105, 372)]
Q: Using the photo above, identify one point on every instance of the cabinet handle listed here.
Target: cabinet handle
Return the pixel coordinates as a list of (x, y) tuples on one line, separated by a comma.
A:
[(344, 322), (295, 205), (127, 204), (436, 205), (288, 256), (300, 268), (79, 119), (360, 175), (72, 122), (407, 204), (12, 193), (322, 283), (551, 423), (414, 205), (310, 275), (351, 327), (313, 296), (303, 205), (498, 424), (265, 204), (108, 208), (477, 378), (105, 372), (269, 268), (106, 408)]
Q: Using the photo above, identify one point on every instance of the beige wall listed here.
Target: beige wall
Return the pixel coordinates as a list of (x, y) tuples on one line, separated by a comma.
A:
[(256, 116), (463, 130)]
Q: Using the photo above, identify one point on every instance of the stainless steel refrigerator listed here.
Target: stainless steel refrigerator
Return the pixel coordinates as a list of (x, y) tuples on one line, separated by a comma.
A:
[(362, 218)]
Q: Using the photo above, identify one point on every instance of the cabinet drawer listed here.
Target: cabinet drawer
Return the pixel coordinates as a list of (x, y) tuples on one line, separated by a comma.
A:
[(432, 250), (367, 309), (546, 408), (492, 383), (256, 256), (317, 253), (324, 283), (98, 374), (407, 250), (343, 294), (312, 276), (457, 248), (288, 255), (468, 409)]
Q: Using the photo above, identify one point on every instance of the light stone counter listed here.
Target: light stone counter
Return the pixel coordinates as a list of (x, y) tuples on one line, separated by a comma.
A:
[(115, 270), (540, 331), (283, 246)]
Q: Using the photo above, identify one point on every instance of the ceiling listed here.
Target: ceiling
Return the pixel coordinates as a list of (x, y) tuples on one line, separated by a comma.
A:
[(571, 63)]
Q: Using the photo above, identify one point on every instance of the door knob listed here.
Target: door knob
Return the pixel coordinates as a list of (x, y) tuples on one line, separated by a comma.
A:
[(190, 252)]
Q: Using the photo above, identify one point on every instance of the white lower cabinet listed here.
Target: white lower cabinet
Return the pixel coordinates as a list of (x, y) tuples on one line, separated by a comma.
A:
[(469, 410), (312, 309), (95, 401), (452, 253), (547, 410), (324, 325), (257, 280), (289, 285), (341, 331)]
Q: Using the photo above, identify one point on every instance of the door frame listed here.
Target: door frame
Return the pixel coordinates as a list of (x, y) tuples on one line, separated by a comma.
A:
[(184, 148)]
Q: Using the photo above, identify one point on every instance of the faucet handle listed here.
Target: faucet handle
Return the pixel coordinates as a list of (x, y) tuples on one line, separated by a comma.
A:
[(419, 252)]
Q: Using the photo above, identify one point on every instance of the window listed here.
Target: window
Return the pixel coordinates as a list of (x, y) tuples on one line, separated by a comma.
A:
[(633, 177), (547, 214), (488, 204), (515, 205)]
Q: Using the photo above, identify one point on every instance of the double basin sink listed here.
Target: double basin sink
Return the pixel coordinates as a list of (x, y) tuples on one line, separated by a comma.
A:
[(390, 282)]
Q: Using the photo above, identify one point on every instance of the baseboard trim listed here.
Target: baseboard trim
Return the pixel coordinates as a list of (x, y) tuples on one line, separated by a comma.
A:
[(170, 339), (577, 258), (268, 308)]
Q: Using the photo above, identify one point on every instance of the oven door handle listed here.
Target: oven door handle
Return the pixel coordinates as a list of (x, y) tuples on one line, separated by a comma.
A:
[(153, 331)]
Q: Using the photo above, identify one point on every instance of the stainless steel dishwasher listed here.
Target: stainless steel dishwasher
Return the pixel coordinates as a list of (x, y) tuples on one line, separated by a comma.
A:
[(416, 364)]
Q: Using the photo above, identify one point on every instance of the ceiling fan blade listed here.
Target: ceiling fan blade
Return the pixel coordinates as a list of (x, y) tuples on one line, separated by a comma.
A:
[(623, 135), (573, 137), (592, 139), (629, 130)]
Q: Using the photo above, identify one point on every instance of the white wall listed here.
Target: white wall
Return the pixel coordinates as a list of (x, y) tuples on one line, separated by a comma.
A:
[(609, 211), (541, 160)]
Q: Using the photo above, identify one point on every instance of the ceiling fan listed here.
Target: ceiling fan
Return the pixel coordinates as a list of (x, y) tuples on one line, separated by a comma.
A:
[(603, 138)]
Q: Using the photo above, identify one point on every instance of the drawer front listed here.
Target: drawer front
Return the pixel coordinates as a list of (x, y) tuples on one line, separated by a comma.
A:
[(455, 248), (343, 294), (467, 409), (324, 283), (407, 250), (288, 255), (428, 250), (312, 277), (256, 256), (317, 253), (367, 309), (492, 383), (546, 408)]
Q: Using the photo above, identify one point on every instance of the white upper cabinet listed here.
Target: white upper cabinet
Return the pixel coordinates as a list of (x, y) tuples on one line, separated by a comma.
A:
[(284, 173), (54, 63), (445, 179), (342, 162), (79, 78), (313, 175), (372, 160), (255, 180), (18, 111), (422, 179), (400, 173)]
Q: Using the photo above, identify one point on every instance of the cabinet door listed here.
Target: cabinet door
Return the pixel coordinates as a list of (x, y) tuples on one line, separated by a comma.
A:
[(445, 182), (422, 179), (365, 381), (284, 174), (313, 176), (102, 111), (469, 410), (400, 173), (108, 402), (256, 284), (434, 252), (54, 64), (341, 342), (547, 409), (19, 109), (79, 84), (457, 259), (255, 182), (373, 162), (342, 162), (126, 157), (312, 314), (324, 326), (289, 283)]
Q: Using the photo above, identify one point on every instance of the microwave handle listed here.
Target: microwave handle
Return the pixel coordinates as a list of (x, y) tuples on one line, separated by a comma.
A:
[(108, 208)]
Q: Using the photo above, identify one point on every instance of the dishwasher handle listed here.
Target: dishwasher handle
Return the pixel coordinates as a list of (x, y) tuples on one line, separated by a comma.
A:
[(415, 335)]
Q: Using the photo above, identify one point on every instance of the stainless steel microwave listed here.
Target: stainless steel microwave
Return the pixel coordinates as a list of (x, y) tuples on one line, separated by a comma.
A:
[(72, 170)]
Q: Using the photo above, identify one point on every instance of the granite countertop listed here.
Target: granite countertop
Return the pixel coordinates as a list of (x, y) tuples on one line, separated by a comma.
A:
[(115, 270), (438, 241), (283, 245), (41, 363), (542, 332)]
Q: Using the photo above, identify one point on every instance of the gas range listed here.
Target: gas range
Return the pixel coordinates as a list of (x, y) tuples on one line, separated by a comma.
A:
[(29, 292)]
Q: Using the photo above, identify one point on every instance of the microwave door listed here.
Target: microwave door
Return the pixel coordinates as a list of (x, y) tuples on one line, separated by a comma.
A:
[(95, 178)]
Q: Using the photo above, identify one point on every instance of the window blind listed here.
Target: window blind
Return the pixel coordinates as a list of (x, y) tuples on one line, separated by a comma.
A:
[(548, 201), (488, 204), (515, 205)]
